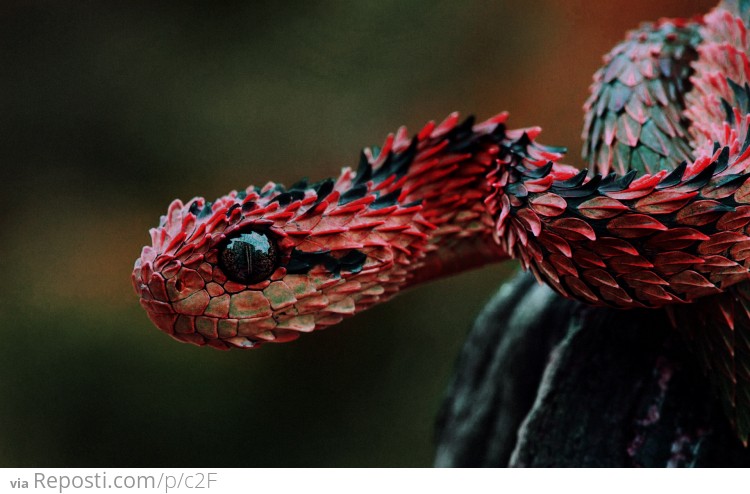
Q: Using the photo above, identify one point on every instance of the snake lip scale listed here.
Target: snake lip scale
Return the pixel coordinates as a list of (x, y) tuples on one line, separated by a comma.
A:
[(660, 219)]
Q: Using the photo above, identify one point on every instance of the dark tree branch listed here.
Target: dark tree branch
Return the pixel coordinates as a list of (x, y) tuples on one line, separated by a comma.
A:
[(545, 381)]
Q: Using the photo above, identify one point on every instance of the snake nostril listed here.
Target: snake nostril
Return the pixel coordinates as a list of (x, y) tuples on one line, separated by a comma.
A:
[(179, 285)]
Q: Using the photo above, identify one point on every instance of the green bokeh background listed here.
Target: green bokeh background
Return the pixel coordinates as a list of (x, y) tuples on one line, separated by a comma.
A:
[(109, 111)]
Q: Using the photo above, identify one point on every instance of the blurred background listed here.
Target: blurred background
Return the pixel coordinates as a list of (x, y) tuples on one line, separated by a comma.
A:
[(109, 111)]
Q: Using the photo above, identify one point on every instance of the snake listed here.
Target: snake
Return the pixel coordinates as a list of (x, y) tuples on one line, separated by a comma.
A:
[(658, 219)]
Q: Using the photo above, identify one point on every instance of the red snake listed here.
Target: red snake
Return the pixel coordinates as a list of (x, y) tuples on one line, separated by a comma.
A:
[(659, 220)]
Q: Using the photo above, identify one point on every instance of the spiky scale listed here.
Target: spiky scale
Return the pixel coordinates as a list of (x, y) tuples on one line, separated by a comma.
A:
[(628, 101)]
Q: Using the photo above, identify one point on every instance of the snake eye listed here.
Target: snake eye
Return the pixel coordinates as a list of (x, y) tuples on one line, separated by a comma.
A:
[(248, 258)]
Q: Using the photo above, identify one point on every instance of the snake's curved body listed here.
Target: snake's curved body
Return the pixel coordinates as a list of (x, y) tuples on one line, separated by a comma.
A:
[(662, 219)]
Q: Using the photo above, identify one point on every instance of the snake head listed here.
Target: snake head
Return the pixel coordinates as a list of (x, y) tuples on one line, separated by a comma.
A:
[(264, 265)]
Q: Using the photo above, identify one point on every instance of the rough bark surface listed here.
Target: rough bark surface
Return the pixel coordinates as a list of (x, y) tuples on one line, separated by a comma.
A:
[(546, 381)]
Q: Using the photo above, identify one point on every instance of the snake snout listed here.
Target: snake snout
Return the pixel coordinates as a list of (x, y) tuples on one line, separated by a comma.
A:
[(151, 290), (175, 298), (194, 303)]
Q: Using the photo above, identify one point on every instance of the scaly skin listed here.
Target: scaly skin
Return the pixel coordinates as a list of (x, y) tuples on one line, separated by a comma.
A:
[(661, 220)]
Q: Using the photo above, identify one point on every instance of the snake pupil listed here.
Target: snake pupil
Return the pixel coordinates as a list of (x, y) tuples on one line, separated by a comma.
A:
[(248, 258)]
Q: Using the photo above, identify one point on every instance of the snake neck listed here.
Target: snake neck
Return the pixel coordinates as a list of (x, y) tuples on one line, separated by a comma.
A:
[(436, 181), (463, 179)]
